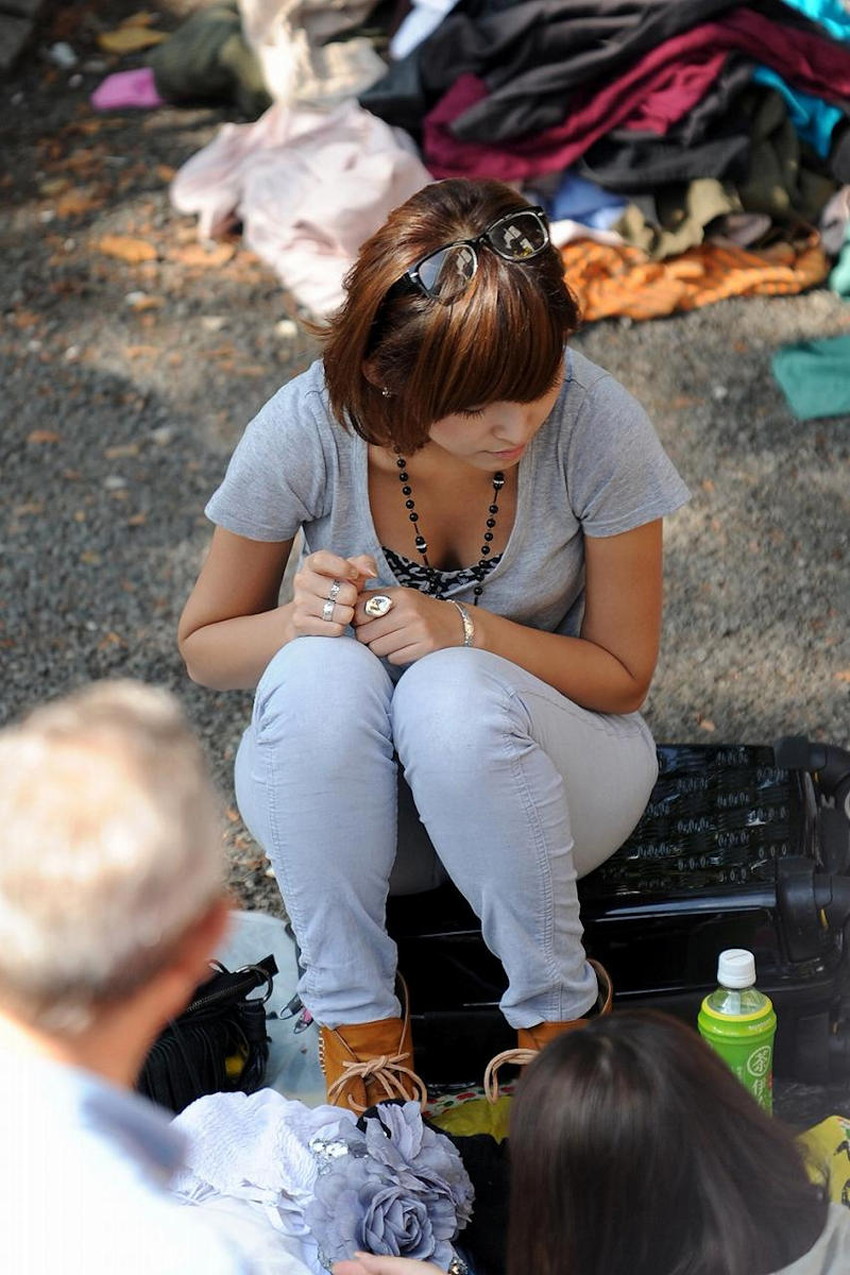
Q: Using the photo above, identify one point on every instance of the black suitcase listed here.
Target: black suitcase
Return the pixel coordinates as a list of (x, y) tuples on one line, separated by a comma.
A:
[(740, 846)]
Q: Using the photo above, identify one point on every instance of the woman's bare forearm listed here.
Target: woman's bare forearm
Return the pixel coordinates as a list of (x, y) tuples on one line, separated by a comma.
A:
[(232, 654), (609, 667), (582, 670)]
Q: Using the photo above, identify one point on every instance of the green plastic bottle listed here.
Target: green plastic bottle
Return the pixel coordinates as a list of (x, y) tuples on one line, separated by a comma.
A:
[(739, 1022)]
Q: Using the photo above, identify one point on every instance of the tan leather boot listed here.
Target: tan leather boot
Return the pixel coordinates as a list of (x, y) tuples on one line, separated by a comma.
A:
[(365, 1063), (530, 1040)]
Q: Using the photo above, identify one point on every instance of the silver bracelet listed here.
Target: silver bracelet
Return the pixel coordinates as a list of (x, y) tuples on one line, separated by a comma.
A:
[(466, 621)]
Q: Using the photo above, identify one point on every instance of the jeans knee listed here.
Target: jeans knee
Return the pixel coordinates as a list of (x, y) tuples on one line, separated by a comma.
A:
[(452, 704), (321, 689)]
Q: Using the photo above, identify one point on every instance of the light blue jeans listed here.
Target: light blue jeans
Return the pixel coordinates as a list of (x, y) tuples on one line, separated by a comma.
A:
[(520, 792)]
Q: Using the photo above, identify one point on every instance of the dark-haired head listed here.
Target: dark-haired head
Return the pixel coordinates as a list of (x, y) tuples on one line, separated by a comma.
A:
[(501, 340), (635, 1151)]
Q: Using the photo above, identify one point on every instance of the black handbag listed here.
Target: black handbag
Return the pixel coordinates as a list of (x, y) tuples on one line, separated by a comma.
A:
[(219, 1042)]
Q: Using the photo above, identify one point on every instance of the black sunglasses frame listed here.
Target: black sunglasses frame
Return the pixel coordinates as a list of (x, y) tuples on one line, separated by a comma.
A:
[(412, 277)]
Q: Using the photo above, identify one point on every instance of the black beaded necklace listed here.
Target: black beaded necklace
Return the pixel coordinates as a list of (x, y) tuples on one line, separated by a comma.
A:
[(479, 571)]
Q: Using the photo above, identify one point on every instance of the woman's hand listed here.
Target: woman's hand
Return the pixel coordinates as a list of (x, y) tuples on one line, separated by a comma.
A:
[(368, 1264), (416, 625), (325, 590)]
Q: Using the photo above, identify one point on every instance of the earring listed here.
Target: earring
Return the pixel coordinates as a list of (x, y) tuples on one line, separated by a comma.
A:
[(386, 393)]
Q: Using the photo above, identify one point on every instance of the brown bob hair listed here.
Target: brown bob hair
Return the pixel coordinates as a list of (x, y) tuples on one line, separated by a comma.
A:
[(635, 1151), (502, 340)]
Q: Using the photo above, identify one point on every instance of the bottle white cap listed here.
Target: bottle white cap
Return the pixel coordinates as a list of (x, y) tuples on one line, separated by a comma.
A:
[(736, 967)]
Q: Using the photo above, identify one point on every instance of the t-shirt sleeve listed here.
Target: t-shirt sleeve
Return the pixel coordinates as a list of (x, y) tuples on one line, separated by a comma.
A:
[(276, 479), (618, 475)]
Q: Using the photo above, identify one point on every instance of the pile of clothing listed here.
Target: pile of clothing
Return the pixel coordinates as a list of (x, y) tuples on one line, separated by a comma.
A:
[(685, 150), (697, 149)]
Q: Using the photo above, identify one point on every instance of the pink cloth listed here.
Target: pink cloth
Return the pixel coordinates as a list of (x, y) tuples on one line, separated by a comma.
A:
[(308, 187), (127, 89), (816, 65)]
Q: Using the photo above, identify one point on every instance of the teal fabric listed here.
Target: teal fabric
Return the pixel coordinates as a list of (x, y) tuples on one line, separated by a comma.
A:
[(832, 15), (839, 279), (815, 377), (812, 117)]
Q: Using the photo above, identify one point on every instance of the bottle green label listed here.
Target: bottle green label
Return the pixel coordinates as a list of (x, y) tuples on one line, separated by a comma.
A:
[(746, 1045)]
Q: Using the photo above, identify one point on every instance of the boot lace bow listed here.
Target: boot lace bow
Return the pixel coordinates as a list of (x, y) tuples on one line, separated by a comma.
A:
[(388, 1071)]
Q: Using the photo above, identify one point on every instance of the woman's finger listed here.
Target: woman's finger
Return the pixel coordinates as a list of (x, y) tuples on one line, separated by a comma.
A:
[(366, 566), (311, 590), (323, 614), (388, 617), (315, 626), (341, 592), (369, 1264), (332, 611), (325, 563)]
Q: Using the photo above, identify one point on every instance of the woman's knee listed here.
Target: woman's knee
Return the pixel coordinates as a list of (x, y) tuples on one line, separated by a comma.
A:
[(453, 701), (318, 685)]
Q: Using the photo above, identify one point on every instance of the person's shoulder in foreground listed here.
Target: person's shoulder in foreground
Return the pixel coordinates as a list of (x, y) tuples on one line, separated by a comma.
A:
[(111, 904), (830, 1255), (85, 1179)]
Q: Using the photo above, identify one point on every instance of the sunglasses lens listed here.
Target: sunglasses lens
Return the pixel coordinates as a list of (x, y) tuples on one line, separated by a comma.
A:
[(521, 235), (447, 273)]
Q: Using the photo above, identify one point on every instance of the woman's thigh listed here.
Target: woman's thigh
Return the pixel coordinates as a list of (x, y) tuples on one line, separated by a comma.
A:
[(318, 750), (320, 732), (608, 764), (476, 705), (417, 867)]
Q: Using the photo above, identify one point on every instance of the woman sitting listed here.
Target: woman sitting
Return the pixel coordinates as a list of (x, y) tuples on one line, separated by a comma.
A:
[(454, 686)]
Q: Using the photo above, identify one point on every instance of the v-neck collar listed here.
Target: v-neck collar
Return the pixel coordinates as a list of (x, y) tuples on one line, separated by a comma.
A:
[(361, 475)]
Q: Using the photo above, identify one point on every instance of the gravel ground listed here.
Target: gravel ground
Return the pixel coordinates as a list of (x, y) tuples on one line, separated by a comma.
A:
[(128, 378)]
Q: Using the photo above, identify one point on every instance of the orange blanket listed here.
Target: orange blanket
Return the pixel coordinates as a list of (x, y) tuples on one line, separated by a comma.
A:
[(622, 280)]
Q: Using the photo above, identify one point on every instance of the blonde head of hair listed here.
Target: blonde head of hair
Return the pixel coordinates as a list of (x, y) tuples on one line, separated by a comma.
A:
[(111, 850)]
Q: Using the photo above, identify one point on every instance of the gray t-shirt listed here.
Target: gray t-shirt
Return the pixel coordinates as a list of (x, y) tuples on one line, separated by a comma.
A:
[(594, 468)]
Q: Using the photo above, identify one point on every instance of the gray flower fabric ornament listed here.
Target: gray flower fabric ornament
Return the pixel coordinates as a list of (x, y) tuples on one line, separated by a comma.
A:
[(401, 1190)]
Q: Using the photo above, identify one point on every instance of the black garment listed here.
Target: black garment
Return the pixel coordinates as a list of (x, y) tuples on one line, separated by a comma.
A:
[(740, 134), (483, 1241), (532, 55), (713, 140), (778, 176), (628, 165), (839, 153), (707, 116), (785, 178)]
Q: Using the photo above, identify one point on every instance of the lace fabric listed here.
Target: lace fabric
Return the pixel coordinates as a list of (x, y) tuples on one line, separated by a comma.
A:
[(321, 1178)]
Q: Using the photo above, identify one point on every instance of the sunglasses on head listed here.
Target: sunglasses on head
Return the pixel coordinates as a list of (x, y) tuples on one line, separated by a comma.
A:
[(445, 274)]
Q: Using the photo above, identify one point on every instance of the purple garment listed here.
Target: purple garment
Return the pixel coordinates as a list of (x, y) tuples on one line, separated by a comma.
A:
[(814, 64), (127, 88)]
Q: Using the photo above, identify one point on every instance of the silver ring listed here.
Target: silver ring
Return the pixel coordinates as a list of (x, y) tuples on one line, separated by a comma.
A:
[(379, 604), (333, 592), (328, 610)]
